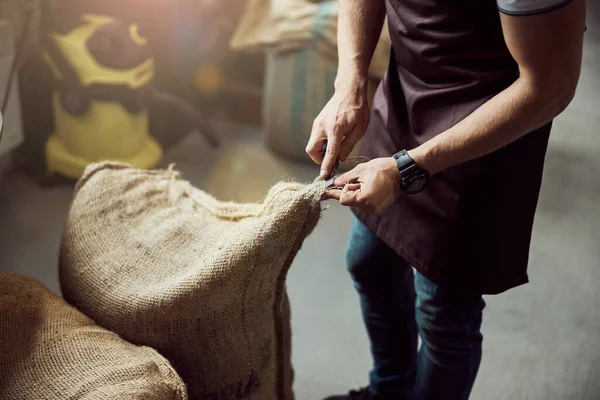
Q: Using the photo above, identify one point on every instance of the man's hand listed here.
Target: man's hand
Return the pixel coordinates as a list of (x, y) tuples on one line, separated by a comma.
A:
[(344, 119), (372, 186), (342, 122)]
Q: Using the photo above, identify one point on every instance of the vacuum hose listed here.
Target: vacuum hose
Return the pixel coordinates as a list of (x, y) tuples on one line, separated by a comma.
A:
[(195, 118)]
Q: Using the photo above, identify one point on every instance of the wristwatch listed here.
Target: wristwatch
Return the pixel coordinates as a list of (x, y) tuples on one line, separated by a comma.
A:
[(413, 179)]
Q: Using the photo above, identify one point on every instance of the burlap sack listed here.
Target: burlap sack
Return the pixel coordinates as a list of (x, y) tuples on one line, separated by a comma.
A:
[(290, 25), (166, 265), (50, 351)]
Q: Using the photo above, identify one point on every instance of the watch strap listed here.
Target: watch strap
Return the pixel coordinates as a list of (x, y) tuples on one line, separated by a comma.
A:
[(410, 172)]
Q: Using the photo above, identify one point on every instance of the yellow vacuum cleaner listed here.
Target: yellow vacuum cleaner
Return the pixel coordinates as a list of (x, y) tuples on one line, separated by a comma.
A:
[(104, 72)]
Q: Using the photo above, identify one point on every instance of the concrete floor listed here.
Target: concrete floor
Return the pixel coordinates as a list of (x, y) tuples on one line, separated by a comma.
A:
[(542, 340)]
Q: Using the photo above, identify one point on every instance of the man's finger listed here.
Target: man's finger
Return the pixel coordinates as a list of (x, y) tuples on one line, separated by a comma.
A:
[(349, 142), (331, 156), (315, 145), (333, 194), (348, 177), (350, 198), (336, 193), (352, 187)]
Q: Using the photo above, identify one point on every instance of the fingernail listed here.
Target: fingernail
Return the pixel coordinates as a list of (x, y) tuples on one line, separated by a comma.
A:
[(323, 173)]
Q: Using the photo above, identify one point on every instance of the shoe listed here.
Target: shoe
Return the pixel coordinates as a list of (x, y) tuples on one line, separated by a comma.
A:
[(360, 394)]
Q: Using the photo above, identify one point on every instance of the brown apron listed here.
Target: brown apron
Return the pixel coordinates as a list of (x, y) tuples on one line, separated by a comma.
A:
[(472, 227)]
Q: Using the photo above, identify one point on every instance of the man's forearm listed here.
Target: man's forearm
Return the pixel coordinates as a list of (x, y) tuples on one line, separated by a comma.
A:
[(359, 28), (519, 109), (547, 48), (343, 120)]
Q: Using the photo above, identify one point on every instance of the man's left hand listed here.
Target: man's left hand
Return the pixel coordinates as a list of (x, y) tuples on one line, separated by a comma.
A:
[(371, 187)]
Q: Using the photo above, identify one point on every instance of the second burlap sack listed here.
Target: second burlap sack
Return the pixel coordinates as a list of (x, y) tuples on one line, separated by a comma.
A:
[(165, 265), (51, 351)]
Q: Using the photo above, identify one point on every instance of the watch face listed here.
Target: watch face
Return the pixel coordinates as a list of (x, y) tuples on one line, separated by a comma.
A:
[(418, 185), (415, 184)]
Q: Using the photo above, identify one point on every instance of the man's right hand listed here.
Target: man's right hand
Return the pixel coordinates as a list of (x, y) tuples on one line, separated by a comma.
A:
[(342, 122)]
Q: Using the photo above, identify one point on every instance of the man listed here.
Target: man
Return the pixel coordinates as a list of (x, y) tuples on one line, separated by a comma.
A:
[(470, 93)]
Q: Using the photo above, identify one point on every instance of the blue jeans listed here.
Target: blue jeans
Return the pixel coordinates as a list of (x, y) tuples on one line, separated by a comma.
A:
[(397, 305)]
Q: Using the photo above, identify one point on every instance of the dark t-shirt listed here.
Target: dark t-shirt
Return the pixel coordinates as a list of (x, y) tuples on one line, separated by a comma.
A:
[(472, 227), (529, 7)]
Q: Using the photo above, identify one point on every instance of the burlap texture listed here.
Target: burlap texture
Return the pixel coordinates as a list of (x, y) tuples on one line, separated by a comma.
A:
[(282, 26), (50, 351), (165, 265)]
